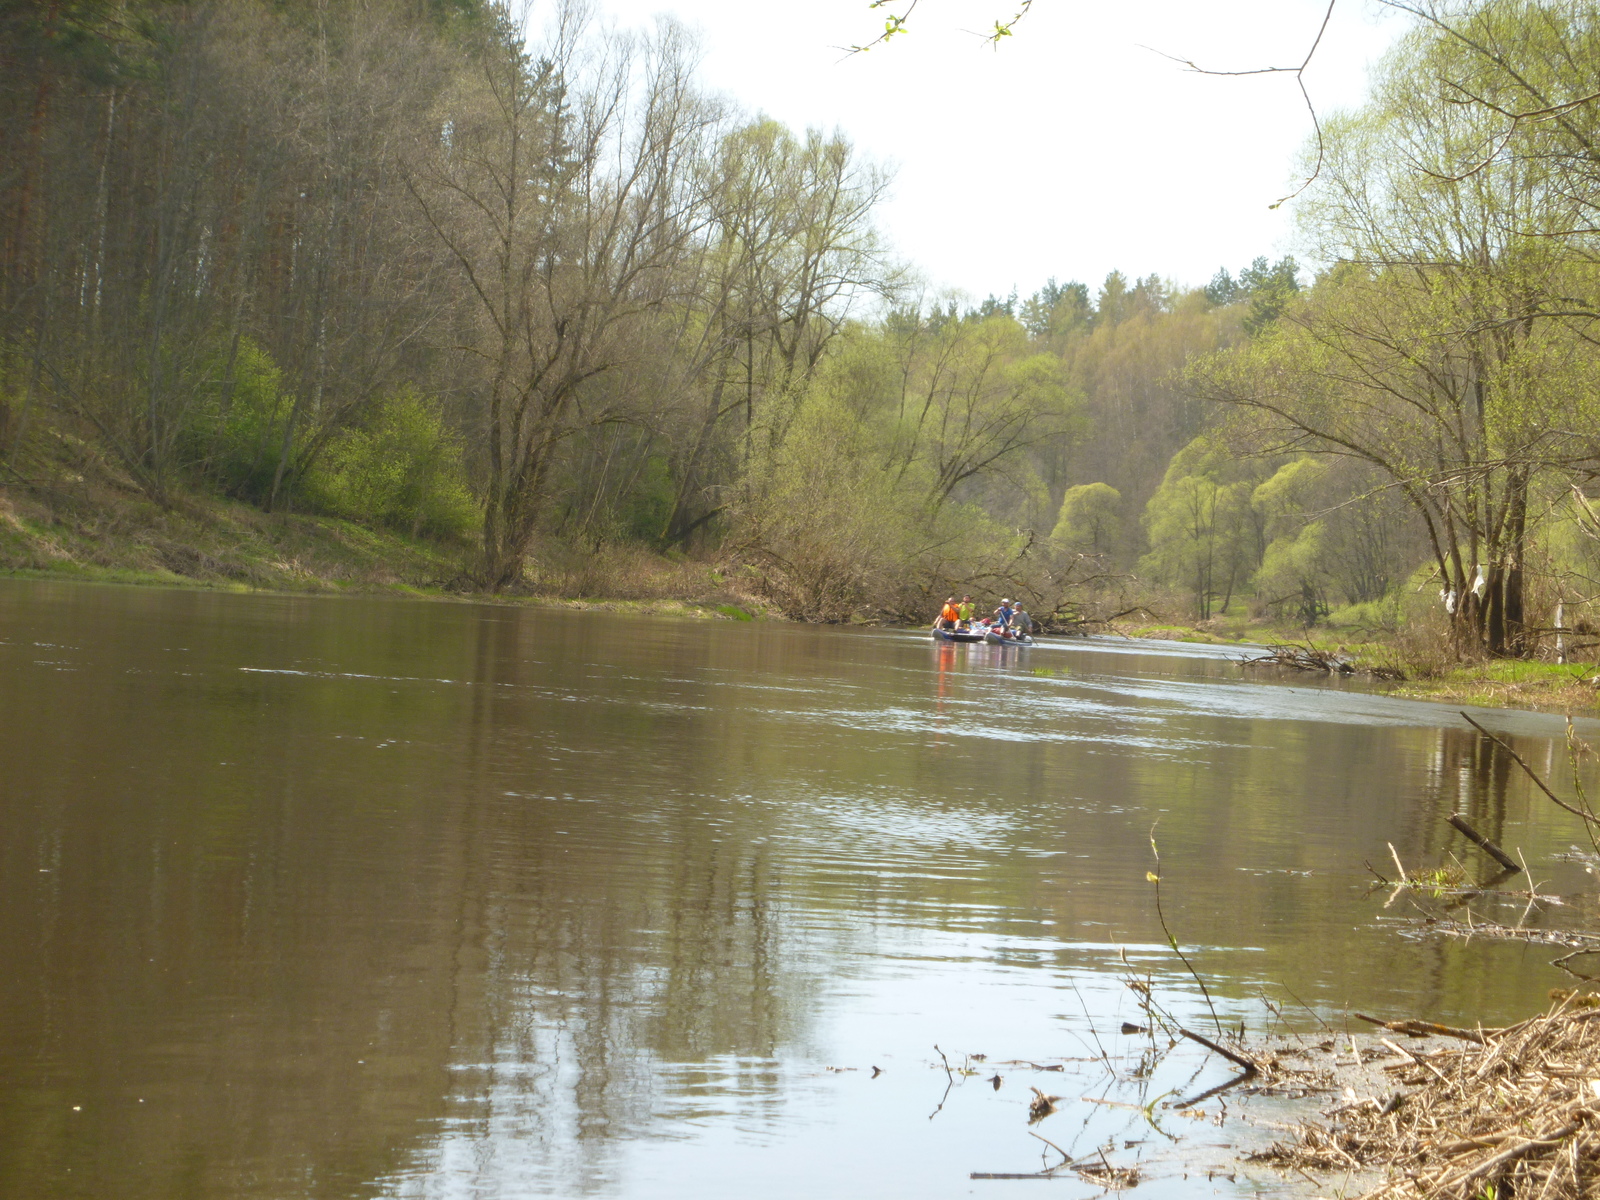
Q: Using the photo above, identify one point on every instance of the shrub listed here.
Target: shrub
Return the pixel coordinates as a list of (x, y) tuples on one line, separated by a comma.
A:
[(237, 431), (402, 467)]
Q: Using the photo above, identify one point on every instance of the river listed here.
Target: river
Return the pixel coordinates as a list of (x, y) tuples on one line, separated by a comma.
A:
[(368, 897)]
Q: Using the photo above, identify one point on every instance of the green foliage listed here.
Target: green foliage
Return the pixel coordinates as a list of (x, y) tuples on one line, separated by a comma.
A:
[(1056, 309), (1293, 571), (1111, 304), (959, 411), (237, 433), (401, 468), (1222, 289), (104, 42), (1204, 536), (1090, 521), (1383, 614), (852, 506), (831, 526), (647, 504), (1269, 289)]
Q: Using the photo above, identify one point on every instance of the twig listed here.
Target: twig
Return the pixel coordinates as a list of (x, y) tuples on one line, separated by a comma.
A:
[(1238, 1060), (1394, 854), (1306, 1006), (1299, 74), (1517, 1151), (950, 1082), (1421, 1062), (1424, 1028), (1155, 878), (1093, 1032), (1065, 1157), (1566, 958)]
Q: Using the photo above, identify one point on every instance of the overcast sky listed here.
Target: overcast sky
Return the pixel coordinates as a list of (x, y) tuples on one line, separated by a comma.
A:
[(1069, 150)]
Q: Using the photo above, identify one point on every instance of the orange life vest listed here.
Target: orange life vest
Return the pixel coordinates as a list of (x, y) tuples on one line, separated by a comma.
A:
[(950, 614)]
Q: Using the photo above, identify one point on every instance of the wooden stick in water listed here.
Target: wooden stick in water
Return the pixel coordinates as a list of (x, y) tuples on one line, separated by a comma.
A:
[(1484, 844), (1425, 1028), (1249, 1067)]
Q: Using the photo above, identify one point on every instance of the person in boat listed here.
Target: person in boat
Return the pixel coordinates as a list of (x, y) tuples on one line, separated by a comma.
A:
[(1022, 623), (948, 617), (966, 610), (1002, 617)]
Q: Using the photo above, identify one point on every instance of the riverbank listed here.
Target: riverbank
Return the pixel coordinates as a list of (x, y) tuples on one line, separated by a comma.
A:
[(1424, 675), (227, 546), (211, 543)]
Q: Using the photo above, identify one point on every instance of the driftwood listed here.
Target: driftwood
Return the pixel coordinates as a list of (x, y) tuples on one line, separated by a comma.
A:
[(1302, 658), (1311, 658), (1511, 865), (1427, 1028)]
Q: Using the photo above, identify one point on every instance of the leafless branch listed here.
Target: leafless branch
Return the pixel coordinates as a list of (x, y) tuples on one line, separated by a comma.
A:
[(1299, 78)]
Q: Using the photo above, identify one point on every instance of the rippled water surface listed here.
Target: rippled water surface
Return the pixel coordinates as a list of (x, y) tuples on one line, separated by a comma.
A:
[(372, 898)]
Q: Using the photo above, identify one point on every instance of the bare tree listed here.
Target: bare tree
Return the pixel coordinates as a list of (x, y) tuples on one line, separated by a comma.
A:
[(559, 185)]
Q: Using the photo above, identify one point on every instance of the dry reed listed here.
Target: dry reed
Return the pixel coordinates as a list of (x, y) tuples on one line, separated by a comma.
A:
[(1515, 1115)]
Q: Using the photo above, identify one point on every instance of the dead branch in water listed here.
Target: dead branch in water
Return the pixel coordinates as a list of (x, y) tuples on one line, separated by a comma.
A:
[(1238, 1060), (1427, 1028), (1311, 658), (1302, 658), (1488, 847)]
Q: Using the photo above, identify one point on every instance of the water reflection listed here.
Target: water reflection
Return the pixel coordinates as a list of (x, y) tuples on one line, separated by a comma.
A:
[(356, 897)]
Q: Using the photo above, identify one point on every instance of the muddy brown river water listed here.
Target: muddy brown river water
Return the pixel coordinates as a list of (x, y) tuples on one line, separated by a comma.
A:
[(356, 897)]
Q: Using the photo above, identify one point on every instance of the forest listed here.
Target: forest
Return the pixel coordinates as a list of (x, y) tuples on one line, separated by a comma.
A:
[(520, 288)]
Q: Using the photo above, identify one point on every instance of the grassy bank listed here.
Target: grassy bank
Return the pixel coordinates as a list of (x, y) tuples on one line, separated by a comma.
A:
[(210, 543), (1490, 683), (1503, 683)]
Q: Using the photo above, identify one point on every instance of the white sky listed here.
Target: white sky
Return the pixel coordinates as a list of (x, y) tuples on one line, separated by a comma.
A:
[(1067, 151)]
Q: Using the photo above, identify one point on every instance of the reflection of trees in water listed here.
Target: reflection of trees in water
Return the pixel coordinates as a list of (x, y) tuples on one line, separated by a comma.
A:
[(1468, 774), (309, 927), (1471, 775), (596, 938), (497, 900)]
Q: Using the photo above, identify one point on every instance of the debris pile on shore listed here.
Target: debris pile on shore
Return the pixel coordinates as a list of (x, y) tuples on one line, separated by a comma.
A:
[(1313, 658), (1503, 1112)]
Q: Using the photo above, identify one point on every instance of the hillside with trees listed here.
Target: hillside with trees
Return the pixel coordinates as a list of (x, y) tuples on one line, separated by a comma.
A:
[(530, 299)]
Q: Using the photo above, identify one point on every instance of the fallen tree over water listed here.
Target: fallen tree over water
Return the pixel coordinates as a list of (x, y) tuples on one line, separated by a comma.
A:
[(1306, 657)]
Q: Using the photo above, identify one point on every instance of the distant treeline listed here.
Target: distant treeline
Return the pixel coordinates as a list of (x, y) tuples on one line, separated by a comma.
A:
[(416, 264)]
